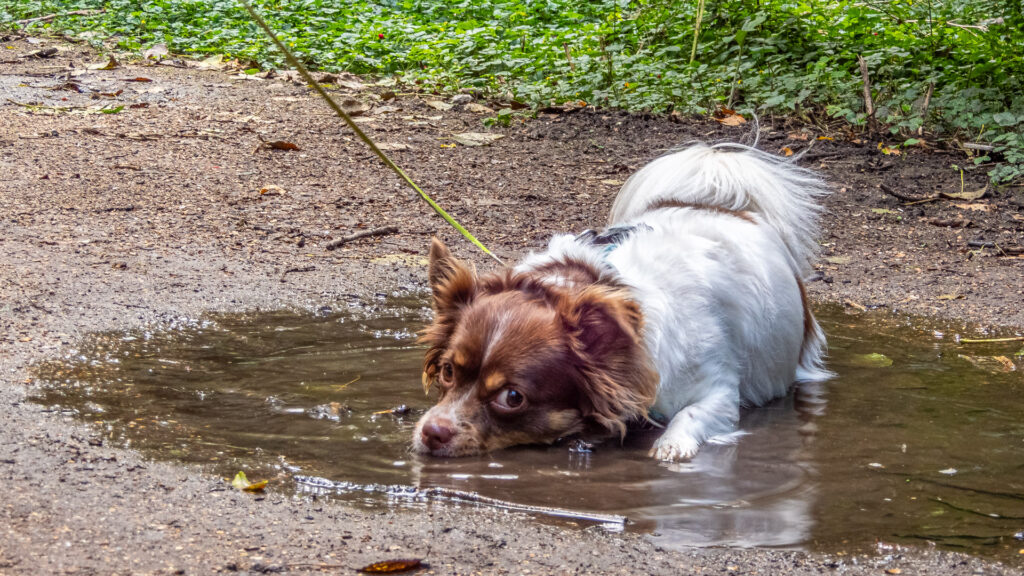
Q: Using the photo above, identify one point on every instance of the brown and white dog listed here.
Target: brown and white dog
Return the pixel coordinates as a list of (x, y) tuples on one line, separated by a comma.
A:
[(688, 307)]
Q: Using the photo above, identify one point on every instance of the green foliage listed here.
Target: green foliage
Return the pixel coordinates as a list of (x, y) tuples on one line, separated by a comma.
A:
[(796, 57)]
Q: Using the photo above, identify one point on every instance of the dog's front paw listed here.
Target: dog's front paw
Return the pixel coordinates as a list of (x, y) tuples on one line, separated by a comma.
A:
[(676, 449)]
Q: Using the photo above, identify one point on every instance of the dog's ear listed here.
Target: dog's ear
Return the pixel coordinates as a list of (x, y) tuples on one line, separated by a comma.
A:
[(619, 381), (454, 285)]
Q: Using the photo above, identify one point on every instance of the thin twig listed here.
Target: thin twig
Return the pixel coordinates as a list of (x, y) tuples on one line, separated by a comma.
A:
[(977, 146), (869, 105), (364, 234), (905, 197), (991, 340), (568, 56), (924, 107), (49, 17)]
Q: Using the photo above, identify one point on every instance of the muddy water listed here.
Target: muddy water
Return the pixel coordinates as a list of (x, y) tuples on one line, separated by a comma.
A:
[(917, 439)]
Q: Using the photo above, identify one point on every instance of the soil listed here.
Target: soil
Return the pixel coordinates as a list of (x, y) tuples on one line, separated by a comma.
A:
[(170, 206)]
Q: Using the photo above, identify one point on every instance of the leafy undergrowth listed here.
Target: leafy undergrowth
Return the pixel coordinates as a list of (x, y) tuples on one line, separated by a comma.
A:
[(950, 70)]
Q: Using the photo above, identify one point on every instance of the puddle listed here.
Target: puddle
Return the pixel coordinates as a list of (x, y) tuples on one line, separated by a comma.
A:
[(916, 440)]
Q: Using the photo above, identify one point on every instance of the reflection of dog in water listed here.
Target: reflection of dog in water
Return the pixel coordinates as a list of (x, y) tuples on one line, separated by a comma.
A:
[(761, 491), (688, 307)]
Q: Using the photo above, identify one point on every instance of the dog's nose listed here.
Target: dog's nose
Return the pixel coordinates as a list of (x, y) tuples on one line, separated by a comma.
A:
[(437, 433)]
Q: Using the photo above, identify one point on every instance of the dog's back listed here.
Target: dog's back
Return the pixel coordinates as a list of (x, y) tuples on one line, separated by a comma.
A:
[(729, 234), (736, 178)]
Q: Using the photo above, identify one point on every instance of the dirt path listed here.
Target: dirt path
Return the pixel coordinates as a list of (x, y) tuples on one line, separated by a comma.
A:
[(155, 212)]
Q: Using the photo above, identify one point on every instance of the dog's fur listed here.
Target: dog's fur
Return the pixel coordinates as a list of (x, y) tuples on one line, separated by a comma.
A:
[(688, 307)]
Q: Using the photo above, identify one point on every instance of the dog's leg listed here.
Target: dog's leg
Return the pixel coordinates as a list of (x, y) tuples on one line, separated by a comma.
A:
[(716, 413)]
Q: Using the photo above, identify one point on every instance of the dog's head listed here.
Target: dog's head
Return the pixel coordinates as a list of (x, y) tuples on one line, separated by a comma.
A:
[(519, 361)]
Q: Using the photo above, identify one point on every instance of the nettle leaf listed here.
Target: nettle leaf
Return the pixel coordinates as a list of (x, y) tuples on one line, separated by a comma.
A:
[(1007, 119)]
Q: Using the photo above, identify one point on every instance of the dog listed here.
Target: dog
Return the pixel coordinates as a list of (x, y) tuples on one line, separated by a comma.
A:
[(689, 307)]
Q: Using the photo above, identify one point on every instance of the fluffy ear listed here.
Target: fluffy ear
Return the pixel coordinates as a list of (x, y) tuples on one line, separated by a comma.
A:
[(452, 282), (620, 382), (454, 285)]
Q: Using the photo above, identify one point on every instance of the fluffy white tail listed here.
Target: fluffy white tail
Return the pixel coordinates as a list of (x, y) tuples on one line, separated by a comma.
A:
[(734, 177)]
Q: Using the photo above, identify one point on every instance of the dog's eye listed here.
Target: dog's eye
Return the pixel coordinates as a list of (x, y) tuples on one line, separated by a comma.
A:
[(510, 399), (447, 373)]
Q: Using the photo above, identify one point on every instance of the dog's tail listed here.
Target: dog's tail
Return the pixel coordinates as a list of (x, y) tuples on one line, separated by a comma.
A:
[(731, 177)]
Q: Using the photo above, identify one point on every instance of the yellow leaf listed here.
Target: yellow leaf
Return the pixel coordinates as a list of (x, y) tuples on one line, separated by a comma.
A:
[(110, 64), (240, 482), (392, 566), (787, 151)]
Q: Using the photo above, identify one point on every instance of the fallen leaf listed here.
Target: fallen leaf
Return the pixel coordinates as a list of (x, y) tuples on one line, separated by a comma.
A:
[(476, 138), (856, 305), (283, 145), (950, 222), (728, 117), (110, 64), (991, 364), (114, 110), (1008, 365), (786, 151), (882, 211), (138, 79), (873, 360), (478, 108), (42, 53), (156, 52), (392, 566), (240, 482), (438, 105), (976, 206), (354, 107), (612, 182), (825, 138), (948, 471), (797, 136), (272, 190), (389, 146), (972, 195), (893, 571), (214, 62), (888, 151), (838, 259), (953, 296)]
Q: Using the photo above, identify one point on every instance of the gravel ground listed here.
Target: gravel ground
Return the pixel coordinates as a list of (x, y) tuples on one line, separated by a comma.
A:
[(171, 207)]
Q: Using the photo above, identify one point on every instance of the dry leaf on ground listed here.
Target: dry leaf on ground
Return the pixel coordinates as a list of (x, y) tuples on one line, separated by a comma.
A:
[(476, 138), (967, 195), (157, 52), (438, 105), (215, 62), (392, 566), (354, 107), (110, 64)]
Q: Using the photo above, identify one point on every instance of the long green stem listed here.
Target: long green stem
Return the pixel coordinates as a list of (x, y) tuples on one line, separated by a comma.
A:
[(696, 29)]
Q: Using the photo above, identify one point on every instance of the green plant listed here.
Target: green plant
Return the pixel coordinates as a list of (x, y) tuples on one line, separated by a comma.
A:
[(953, 68)]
